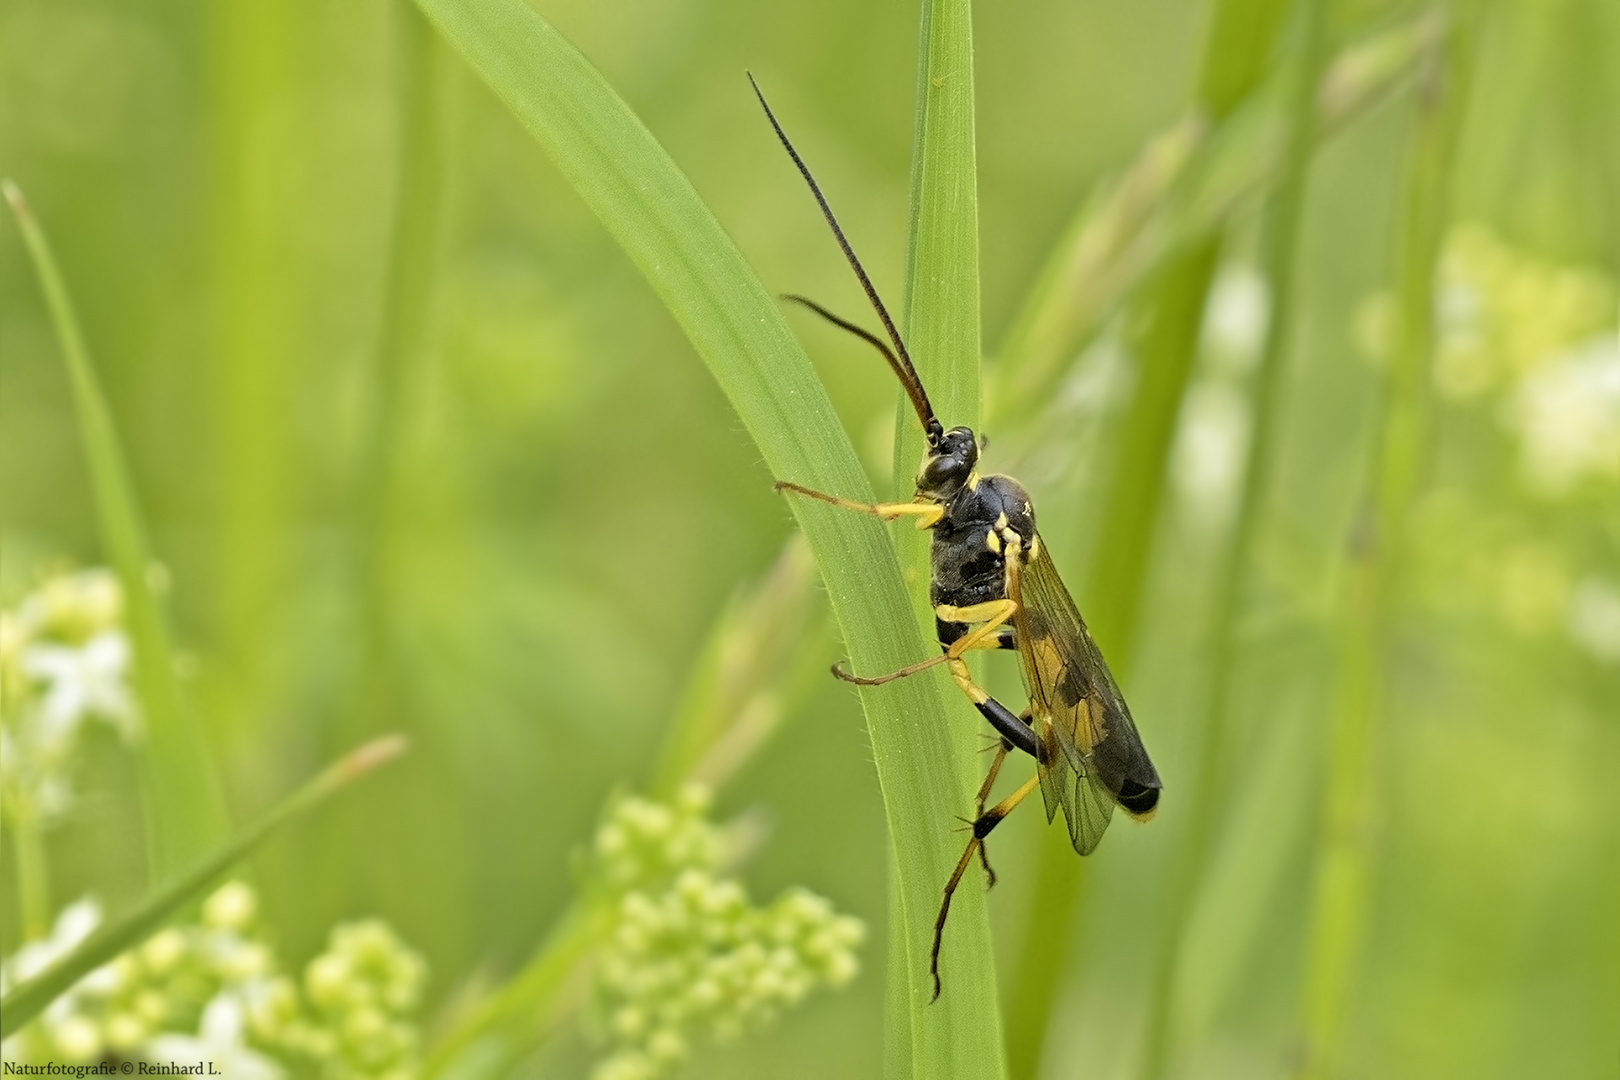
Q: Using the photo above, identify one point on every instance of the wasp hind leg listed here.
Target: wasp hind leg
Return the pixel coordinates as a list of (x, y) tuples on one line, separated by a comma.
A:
[(982, 826), (1003, 748)]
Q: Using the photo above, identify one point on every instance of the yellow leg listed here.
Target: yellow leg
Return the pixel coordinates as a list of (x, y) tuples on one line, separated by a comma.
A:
[(926, 513), (994, 614), (981, 829)]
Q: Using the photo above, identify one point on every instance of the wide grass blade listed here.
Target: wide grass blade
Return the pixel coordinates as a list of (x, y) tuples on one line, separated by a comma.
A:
[(26, 1000), (649, 206), (186, 814)]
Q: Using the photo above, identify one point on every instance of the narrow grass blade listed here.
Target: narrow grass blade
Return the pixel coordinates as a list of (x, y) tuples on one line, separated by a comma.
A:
[(500, 1029), (942, 264), (396, 374), (186, 813), (26, 1000), (649, 206)]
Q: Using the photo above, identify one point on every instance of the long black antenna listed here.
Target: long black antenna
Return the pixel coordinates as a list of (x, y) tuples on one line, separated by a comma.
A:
[(900, 360), (844, 324)]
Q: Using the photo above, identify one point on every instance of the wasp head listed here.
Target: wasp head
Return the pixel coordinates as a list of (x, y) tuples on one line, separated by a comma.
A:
[(949, 463)]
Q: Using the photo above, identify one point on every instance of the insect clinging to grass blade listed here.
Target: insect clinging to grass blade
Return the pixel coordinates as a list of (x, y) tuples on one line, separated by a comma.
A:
[(994, 587)]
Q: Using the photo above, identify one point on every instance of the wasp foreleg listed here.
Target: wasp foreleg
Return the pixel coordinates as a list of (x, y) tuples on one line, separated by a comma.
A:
[(926, 513)]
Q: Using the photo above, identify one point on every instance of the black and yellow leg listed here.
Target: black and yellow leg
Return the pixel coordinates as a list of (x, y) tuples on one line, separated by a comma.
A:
[(1003, 748), (981, 829), (926, 513), (990, 616), (978, 809), (947, 632), (1014, 730)]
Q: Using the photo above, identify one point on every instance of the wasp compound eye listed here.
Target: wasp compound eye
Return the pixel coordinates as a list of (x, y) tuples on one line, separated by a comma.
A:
[(943, 473)]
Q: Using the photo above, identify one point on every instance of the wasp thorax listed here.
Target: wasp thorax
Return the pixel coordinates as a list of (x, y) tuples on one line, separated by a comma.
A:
[(948, 465)]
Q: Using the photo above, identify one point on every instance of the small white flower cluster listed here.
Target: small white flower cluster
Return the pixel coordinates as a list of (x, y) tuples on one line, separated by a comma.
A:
[(1566, 414), (1501, 312), (141, 1004), (1539, 335), (690, 956), (213, 991), (64, 658)]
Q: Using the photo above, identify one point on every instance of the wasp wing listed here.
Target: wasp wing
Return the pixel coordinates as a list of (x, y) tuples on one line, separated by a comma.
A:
[(1080, 717)]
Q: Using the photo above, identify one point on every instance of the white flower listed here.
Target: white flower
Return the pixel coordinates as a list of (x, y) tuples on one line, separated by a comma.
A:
[(73, 925), (1212, 441), (1567, 416), (88, 680), (1236, 317), (1594, 619), (231, 907), (219, 1039)]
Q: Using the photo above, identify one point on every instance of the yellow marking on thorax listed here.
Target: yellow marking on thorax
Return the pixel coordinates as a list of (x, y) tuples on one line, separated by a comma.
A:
[(973, 480), (992, 541)]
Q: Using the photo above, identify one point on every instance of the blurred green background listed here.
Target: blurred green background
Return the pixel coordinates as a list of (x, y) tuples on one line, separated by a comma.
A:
[(510, 538)]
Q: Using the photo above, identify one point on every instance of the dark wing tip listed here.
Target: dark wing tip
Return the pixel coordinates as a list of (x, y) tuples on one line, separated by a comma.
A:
[(1138, 801)]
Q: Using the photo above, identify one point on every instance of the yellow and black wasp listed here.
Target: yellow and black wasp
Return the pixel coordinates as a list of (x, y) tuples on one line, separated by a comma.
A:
[(994, 587)]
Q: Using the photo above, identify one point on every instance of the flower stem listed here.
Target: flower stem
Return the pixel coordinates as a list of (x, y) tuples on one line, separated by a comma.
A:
[(528, 999)]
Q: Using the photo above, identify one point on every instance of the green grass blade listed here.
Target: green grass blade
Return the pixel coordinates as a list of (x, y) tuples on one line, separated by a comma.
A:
[(396, 374), (186, 814), (26, 1000), (651, 209), (941, 322), (942, 265)]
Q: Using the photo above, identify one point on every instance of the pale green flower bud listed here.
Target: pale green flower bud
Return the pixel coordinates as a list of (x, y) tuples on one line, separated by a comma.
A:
[(76, 1038), (326, 980), (232, 907), (163, 951), (125, 1031)]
